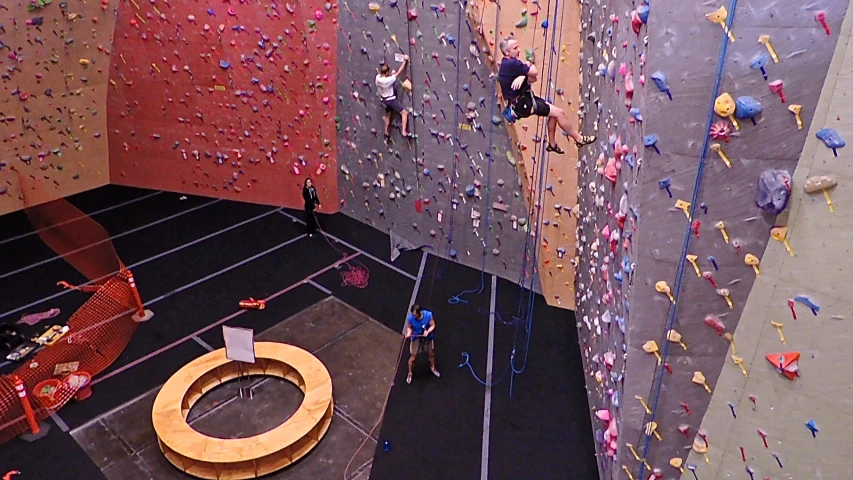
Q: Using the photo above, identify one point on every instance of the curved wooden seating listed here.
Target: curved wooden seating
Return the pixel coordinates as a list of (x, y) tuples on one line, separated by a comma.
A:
[(241, 458)]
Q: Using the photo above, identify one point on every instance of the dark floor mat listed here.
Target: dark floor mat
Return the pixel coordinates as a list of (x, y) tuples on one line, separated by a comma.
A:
[(366, 238), (544, 430), (56, 456), (385, 298), (148, 243), (118, 222), (90, 201), (435, 425)]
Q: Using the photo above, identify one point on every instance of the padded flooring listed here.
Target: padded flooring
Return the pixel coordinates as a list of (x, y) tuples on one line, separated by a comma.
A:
[(195, 258)]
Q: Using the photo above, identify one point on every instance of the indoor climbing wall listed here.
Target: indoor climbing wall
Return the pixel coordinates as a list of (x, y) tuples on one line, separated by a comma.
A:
[(55, 61), (453, 188), (231, 100), (788, 415), (548, 35), (699, 126)]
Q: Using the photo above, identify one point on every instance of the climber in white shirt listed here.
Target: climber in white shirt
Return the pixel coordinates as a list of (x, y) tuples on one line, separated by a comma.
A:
[(385, 82)]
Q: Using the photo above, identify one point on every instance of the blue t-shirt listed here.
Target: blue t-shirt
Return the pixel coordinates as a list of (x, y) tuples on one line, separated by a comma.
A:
[(419, 326), (512, 68)]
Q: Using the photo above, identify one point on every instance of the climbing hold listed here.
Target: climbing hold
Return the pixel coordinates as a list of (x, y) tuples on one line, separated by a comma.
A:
[(718, 149), (676, 463), (831, 139), (820, 17), (652, 347), (788, 364), (675, 337), (765, 40), (759, 62), (452, 253), (724, 292), (815, 308), (774, 189), (720, 131), (720, 16), (692, 260), (699, 379), (776, 87), (663, 287), (753, 262), (660, 81), (812, 426), (650, 141), (664, 184), (796, 109), (747, 108), (643, 12), (714, 322), (724, 106), (780, 234), (822, 183)]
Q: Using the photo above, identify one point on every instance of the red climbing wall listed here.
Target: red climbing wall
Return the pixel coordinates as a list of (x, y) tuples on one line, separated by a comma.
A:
[(249, 129)]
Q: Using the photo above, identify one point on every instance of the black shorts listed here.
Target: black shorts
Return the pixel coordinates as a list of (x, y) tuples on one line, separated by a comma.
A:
[(528, 104), (393, 106)]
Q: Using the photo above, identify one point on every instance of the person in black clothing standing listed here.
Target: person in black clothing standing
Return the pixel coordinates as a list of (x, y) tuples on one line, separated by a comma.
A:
[(312, 201)]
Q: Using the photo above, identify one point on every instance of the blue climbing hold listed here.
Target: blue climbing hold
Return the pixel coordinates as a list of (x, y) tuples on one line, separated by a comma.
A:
[(635, 114), (470, 190), (224, 64), (747, 107), (452, 253), (831, 139), (643, 13), (759, 62), (660, 81), (545, 23), (774, 190)]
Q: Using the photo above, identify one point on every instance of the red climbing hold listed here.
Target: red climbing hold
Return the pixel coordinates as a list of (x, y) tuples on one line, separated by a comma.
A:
[(787, 364)]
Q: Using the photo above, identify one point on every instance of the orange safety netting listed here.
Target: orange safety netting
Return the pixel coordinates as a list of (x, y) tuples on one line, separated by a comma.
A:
[(98, 332)]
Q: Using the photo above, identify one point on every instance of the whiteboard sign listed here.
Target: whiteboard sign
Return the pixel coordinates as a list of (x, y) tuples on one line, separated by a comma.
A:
[(399, 57), (239, 344)]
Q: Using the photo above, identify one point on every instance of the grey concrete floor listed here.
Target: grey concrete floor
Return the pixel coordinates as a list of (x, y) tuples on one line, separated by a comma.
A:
[(359, 354)]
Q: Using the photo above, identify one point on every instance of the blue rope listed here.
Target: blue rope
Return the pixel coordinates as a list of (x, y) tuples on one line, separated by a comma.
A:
[(658, 383), (456, 299), (544, 155)]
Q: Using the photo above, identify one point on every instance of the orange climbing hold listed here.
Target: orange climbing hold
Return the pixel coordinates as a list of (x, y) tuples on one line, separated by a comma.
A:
[(787, 364)]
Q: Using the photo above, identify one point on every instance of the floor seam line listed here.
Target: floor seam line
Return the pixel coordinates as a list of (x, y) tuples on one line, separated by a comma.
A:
[(143, 262)]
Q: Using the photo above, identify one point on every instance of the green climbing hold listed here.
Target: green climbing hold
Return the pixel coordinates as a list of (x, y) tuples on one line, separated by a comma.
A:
[(530, 55), (510, 158)]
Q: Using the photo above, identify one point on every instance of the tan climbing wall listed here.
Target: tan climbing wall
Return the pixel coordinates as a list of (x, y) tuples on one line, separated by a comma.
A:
[(820, 271), (556, 250), (55, 63)]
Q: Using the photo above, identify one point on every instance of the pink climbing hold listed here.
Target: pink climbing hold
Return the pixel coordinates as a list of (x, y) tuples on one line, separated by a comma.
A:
[(714, 322), (318, 14), (325, 100)]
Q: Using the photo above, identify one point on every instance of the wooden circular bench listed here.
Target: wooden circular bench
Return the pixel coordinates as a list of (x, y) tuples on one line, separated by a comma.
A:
[(240, 458)]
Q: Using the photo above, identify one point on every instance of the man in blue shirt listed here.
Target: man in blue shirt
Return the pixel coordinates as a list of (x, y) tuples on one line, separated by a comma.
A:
[(420, 326), (515, 77)]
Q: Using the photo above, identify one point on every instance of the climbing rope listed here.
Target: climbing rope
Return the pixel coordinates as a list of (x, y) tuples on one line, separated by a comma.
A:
[(697, 186)]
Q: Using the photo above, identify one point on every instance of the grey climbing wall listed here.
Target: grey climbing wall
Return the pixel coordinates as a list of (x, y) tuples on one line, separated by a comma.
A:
[(453, 188), (622, 307)]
